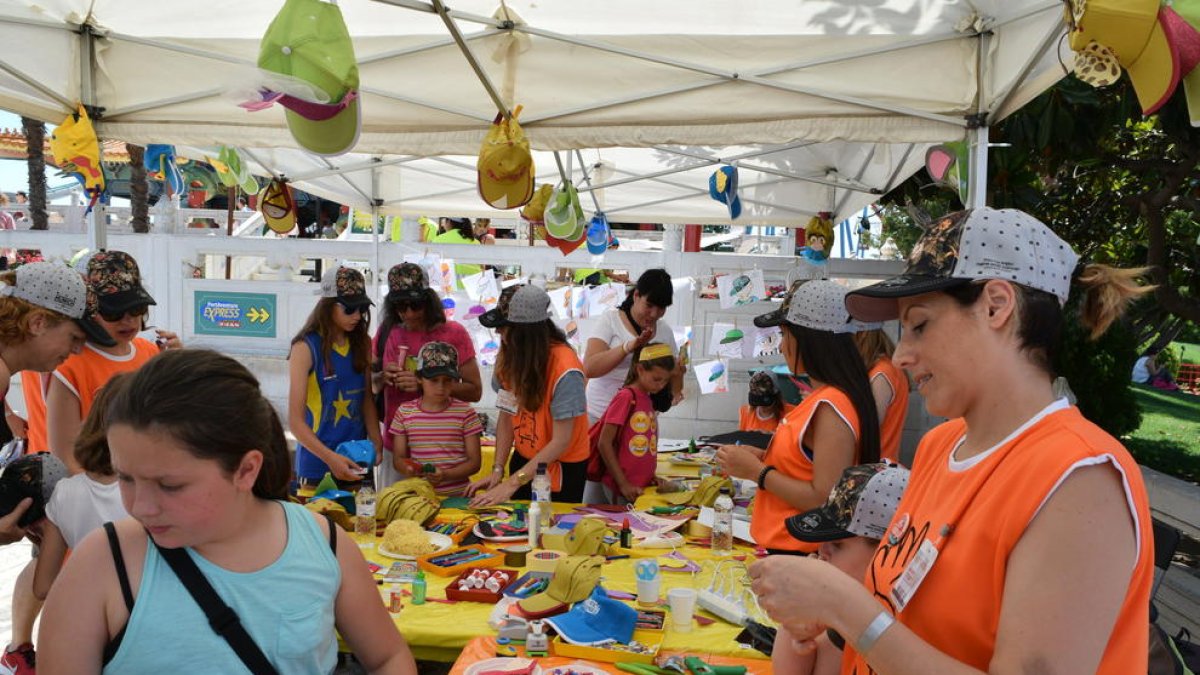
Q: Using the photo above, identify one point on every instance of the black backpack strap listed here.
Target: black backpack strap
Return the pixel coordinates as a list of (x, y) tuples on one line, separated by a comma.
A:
[(114, 545), (221, 617), (332, 535)]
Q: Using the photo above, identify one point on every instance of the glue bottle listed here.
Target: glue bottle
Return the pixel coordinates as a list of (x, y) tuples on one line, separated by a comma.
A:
[(418, 588)]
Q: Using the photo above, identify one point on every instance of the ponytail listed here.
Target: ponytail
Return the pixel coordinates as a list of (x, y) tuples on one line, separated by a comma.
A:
[(1107, 293)]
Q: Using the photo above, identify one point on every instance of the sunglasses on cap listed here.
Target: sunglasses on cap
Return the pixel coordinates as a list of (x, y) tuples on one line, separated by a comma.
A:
[(135, 312)]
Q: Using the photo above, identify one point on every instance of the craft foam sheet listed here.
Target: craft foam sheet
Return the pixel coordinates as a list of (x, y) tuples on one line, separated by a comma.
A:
[(727, 341), (447, 276), (741, 288), (482, 288), (713, 377), (683, 336)]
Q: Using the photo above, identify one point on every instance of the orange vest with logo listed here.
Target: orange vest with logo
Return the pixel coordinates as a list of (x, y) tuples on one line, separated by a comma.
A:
[(88, 371), (891, 427), (957, 606), (788, 457), (532, 429), (33, 387)]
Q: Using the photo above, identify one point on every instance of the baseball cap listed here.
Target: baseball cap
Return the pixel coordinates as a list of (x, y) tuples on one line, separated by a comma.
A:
[(970, 245), (587, 537), (598, 234), (115, 279), (861, 504), (563, 214), (438, 358), (407, 281), (31, 476), (723, 187), (278, 206), (597, 619), (763, 390), (575, 576), (60, 289), (776, 317), (308, 41), (347, 285), (505, 166), (818, 304), (705, 493), (522, 303), (232, 171), (535, 210)]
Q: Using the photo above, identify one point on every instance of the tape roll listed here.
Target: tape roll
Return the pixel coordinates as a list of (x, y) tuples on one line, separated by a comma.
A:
[(543, 560)]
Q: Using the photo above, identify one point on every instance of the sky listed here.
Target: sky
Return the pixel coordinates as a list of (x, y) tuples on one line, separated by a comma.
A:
[(14, 175)]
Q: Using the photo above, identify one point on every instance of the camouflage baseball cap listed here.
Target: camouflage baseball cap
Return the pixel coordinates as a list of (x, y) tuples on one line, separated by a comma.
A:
[(520, 303), (438, 358), (408, 282), (115, 279), (763, 390), (347, 285), (861, 504)]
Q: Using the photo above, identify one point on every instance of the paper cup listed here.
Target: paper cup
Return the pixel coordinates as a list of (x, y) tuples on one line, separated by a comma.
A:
[(649, 582), (683, 605)]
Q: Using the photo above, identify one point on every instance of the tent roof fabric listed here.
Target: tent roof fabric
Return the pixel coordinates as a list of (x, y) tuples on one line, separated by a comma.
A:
[(622, 74)]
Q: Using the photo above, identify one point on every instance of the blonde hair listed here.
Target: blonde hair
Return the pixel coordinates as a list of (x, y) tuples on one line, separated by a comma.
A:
[(1108, 292), (873, 345)]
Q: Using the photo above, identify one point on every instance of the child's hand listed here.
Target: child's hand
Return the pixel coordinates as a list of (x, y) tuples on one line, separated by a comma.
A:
[(436, 477), (629, 491), (406, 380), (344, 468)]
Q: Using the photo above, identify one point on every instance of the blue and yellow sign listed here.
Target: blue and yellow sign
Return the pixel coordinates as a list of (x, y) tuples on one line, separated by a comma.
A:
[(237, 314)]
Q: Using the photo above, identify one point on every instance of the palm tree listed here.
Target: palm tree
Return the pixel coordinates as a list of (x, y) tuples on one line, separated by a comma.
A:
[(35, 141), (139, 189)]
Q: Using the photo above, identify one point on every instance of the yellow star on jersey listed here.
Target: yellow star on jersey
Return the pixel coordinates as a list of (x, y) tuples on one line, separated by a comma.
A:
[(341, 408)]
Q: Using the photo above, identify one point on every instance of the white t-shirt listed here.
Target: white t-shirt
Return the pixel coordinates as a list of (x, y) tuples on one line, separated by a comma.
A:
[(80, 505), (612, 331), (1141, 374)]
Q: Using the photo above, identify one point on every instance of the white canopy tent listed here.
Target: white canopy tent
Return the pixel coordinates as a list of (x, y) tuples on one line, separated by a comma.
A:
[(841, 97)]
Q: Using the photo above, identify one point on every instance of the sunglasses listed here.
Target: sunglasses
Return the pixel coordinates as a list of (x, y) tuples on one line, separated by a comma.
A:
[(402, 306), (114, 317), (350, 310)]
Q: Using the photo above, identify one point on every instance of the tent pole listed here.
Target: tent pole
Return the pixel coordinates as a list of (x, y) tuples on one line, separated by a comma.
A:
[(977, 130), (471, 60), (96, 226), (587, 179), (375, 231)]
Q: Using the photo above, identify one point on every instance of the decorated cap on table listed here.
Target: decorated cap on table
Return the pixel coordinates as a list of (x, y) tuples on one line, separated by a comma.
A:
[(598, 619), (587, 537), (407, 282), (705, 493), (347, 285), (575, 576), (60, 289), (973, 245)]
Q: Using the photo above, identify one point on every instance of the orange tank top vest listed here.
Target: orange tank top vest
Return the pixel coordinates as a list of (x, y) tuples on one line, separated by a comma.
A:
[(748, 419), (88, 371), (892, 426), (788, 456), (989, 504), (33, 387), (532, 429)]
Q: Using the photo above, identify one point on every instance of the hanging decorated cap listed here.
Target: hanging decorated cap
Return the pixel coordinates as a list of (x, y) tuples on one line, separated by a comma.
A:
[(564, 214), (654, 350), (971, 245), (76, 151), (535, 210), (160, 161), (723, 187), (599, 235), (309, 43), (505, 166), (278, 206), (60, 289), (232, 171)]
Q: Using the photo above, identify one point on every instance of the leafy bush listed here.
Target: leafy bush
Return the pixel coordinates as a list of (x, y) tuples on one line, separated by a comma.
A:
[(1098, 373), (1169, 358)]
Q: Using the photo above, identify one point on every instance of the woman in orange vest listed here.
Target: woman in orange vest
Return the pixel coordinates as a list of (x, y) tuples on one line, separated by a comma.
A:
[(764, 397), (889, 386), (1023, 542), (832, 428), (543, 408)]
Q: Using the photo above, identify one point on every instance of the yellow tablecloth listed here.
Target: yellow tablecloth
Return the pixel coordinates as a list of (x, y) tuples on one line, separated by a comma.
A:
[(439, 631)]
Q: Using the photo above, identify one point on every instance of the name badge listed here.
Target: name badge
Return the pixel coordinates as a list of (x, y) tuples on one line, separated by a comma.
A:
[(910, 580), (506, 401)]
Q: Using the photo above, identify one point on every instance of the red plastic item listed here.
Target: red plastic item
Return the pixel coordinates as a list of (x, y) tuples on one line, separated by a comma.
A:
[(480, 594)]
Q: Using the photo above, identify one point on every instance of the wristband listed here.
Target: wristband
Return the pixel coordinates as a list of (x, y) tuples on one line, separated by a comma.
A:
[(625, 347), (874, 631), (762, 476)]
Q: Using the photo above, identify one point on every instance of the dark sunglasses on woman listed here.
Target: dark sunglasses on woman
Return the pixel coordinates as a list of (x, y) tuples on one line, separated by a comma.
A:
[(350, 310), (135, 312)]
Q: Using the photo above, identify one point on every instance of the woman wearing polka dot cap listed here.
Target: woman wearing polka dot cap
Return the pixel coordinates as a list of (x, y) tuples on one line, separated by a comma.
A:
[(1023, 542), (834, 427)]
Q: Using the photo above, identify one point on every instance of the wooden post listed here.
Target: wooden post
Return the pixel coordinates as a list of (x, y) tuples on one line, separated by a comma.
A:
[(231, 199)]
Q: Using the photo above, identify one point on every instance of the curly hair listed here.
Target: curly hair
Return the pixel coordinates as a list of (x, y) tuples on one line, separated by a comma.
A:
[(16, 314)]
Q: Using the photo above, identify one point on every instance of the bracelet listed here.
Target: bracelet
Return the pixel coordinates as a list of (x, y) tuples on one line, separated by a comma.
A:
[(762, 476), (498, 469), (625, 347), (874, 631)]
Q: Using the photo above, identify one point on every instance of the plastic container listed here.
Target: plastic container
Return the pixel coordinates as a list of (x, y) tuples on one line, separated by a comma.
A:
[(541, 495), (482, 557), (614, 653), (418, 589), (453, 592), (722, 527), (364, 507)]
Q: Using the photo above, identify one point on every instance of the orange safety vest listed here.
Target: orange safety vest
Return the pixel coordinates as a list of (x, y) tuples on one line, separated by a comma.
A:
[(532, 429), (33, 387), (748, 419), (88, 371), (891, 427), (788, 457), (957, 606)]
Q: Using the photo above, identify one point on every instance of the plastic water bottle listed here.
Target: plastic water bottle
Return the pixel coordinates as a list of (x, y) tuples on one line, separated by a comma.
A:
[(541, 495), (722, 527), (418, 588), (364, 508)]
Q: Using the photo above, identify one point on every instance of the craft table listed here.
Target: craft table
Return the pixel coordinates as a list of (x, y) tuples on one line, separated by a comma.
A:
[(482, 648)]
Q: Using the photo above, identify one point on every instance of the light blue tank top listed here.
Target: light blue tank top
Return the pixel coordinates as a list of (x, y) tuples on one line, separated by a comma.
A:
[(286, 607)]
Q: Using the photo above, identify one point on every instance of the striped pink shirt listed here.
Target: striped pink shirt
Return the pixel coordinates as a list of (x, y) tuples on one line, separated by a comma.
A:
[(438, 437)]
